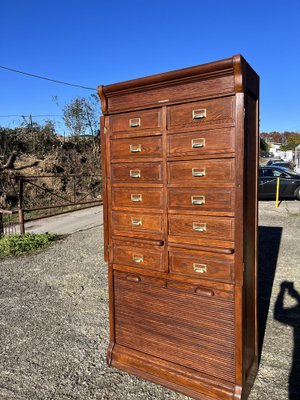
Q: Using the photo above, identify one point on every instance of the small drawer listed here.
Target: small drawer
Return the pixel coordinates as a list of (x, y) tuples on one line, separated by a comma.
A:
[(216, 141), (201, 227), (136, 173), (136, 147), (209, 199), (137, 198), (201, 172), (201, 113), (136, 121), (136, 222), (203, 265), (145, 257)]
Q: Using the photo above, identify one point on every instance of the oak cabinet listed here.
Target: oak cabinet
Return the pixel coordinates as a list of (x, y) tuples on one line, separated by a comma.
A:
[(179, 162)]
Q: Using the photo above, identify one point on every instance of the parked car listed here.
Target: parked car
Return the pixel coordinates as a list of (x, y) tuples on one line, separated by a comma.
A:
[(282, 163), (289, 186)]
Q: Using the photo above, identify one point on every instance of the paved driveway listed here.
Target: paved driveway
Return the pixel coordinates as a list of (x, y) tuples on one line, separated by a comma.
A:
[(53, 320)]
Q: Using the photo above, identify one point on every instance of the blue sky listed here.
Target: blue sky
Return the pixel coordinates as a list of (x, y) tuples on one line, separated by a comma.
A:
[(92, 42)]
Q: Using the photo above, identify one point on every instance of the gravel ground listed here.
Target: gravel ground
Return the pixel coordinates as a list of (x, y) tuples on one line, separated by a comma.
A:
[(54, 324)]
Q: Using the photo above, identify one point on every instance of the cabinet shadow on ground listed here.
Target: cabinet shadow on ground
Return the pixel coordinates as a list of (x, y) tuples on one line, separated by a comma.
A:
[(269, 239), (269, 244)]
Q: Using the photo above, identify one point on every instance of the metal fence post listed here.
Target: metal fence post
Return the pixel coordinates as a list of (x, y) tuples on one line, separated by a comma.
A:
[(1, 224), (20, 207)]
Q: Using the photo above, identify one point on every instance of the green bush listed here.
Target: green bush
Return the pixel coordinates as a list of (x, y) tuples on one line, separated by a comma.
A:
[(13, 245)]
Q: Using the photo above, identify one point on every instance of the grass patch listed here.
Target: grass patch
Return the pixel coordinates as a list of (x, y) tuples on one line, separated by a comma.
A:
[(13, 245)]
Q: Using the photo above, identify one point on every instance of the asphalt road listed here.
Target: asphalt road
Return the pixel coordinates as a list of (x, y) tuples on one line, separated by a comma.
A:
[(67, 223), (54, 319)]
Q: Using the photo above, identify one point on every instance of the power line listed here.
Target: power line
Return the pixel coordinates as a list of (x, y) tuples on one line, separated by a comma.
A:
[(30, 115), (47, 79)]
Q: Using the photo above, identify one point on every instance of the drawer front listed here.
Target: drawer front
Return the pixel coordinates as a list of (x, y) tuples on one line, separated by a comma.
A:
[(202, 142), (136, 222), (201, 172), (136, 173), (138, 256), (136, 147), (137, 197), (214, 199), (136, 121), (202, 227), (190, 328), (202, 265), (201, 113)]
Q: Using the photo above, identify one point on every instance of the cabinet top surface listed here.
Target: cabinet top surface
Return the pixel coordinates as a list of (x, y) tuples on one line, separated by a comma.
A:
[(233, 70)]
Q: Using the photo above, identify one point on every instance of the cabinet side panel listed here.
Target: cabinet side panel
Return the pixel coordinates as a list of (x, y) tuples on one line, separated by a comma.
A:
[(104, 183), (250, 234)]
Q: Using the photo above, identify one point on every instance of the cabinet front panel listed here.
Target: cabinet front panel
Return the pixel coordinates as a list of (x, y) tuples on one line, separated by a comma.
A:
[(136, 222), (136, 121), (202, 172), (189, 329), (137, 197), (184, 91), (136, 173), (139, 256), (202, 227), (209, 199), (202, 265), (217, 141), (201, 113), (136, 147)]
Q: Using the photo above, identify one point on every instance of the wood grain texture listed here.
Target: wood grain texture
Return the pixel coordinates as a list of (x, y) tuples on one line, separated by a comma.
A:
[(135, 173), (137, 147), (137, 197), (202, 265), (155, 320), (144, 120), (201, 172), (201, 199), (217, 141), (216, 110)]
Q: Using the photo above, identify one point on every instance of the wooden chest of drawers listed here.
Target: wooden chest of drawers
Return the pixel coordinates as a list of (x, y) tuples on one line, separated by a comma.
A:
[(179, 161)]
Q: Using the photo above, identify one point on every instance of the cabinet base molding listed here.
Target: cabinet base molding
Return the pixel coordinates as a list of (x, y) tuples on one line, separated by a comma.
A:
[(176, 377)]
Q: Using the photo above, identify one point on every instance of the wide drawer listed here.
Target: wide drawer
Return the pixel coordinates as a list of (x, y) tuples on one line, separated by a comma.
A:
[(201, 172), (138, 255), (136, 173), (201, 113), (201, 264), (136, 222), (136, 121), (202, 142), (187, 325), (136, 147), (209, 199), (137, 197), (201, 227)]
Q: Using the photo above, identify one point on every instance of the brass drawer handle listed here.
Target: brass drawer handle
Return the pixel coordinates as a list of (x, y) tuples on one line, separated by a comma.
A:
[(200, 268), (198, 200), (136, 221), (138, 258), (136, 198), (198, 172), (135, 173), (199, 114), (135, 148), (199, 226), (198, 143), (134, 122)]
